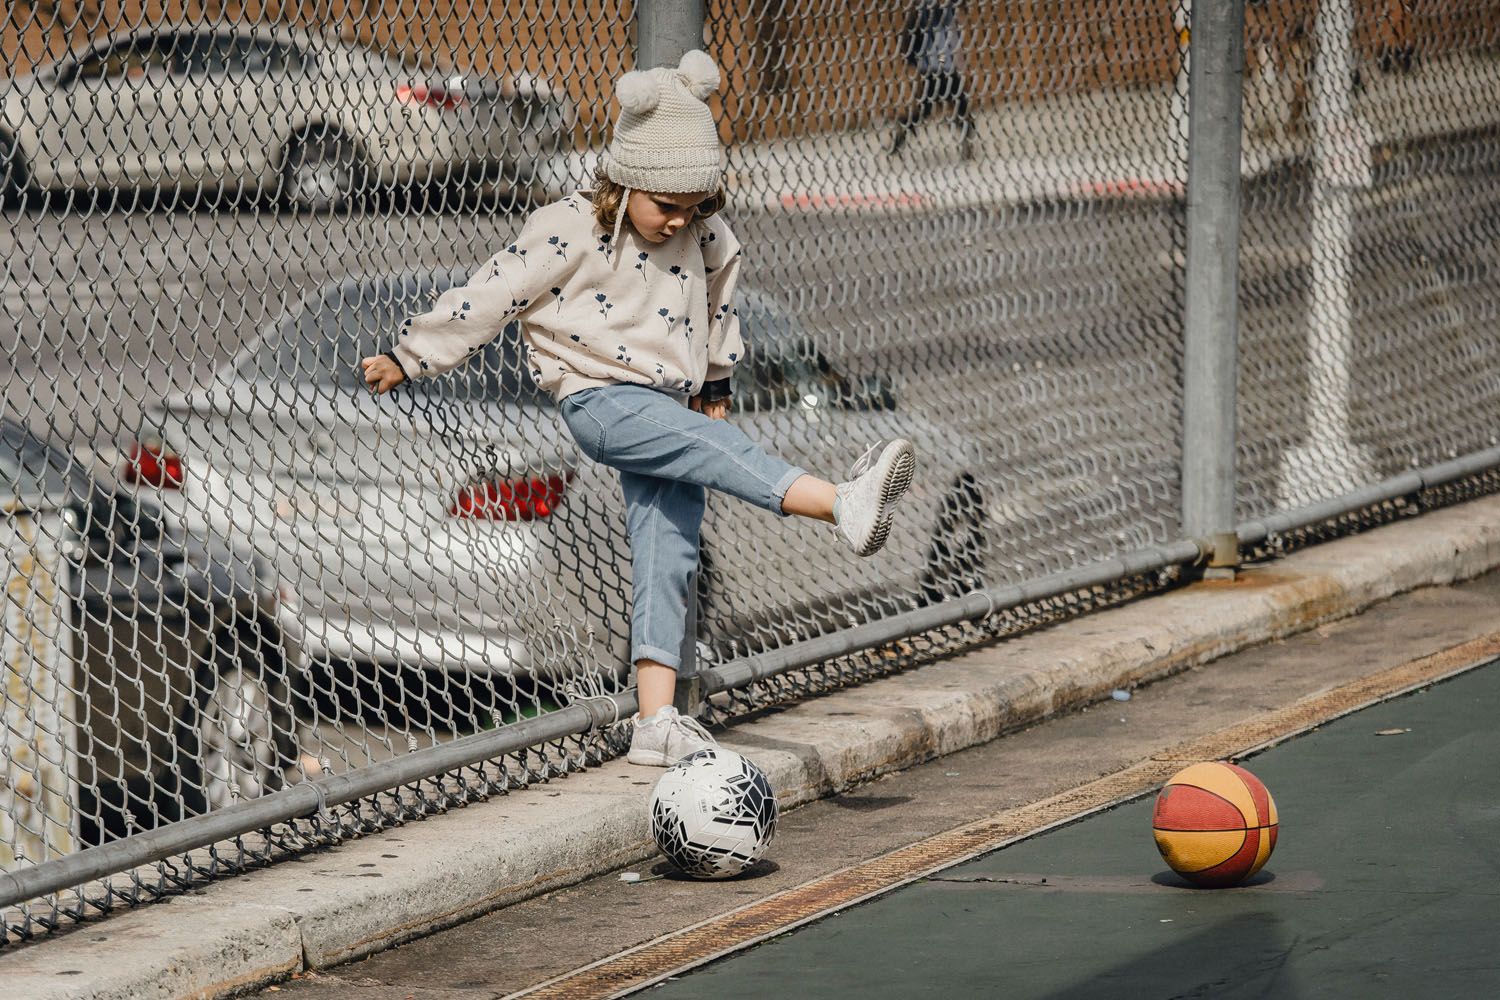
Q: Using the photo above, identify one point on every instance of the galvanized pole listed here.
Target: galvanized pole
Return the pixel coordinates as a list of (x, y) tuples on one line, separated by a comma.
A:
[(1329, 459), (1211, 322), (664, 30)]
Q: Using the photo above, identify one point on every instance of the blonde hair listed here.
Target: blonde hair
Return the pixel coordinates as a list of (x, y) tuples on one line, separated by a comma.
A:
[(609, 201)]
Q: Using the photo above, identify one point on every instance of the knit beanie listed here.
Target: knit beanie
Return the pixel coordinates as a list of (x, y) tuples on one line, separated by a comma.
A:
[(665, 140)]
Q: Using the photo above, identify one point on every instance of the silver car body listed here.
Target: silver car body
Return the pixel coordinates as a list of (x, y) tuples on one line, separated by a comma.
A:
[(186, 104), (350, 496)]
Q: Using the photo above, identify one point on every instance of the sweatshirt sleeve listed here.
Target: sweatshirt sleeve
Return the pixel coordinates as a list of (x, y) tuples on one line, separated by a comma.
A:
[(721, 269), (466, 317)]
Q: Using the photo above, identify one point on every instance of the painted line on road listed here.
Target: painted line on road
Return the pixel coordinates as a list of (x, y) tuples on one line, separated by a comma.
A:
[(645, 965)]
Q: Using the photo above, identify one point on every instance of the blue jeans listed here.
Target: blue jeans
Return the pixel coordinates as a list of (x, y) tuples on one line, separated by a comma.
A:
[(667, 455)]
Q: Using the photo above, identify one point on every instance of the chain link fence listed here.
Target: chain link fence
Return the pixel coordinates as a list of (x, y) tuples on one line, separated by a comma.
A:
[(231, 572)]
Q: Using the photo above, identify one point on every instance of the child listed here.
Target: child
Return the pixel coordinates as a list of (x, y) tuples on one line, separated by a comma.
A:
[(632, 329)]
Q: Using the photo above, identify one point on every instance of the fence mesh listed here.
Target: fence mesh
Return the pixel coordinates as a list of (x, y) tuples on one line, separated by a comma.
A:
[(230, 569)]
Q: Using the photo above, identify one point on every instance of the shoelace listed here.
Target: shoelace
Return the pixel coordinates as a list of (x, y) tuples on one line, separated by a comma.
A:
[(694, 727), (862, 463)]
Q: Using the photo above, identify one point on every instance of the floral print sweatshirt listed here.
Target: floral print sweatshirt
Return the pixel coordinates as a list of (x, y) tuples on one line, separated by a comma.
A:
[(592, 314)]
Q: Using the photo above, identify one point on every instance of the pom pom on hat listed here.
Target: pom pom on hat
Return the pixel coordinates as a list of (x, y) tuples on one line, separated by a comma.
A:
[(665, 138), (699, 73), (638, 91)]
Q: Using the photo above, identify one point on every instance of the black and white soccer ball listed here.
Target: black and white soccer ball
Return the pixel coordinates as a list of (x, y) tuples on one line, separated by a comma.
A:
[(713, 813)]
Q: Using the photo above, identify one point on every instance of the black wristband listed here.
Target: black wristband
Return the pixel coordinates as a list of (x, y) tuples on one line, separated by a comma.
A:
[(716, 390), (392, 356)]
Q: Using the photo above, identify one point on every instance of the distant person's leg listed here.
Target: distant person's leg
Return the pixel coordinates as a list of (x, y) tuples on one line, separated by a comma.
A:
[(962, 115), (927, 91)]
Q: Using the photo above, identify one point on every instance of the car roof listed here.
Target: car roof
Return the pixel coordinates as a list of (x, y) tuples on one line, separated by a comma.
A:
[(149, 29), (752, 300), (337, 289)]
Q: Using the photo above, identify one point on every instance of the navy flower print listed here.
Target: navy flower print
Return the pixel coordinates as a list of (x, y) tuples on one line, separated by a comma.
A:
[(604, 304), (682, 278), (640, 264), (604, 246), (459, 313), (559, 246), (667, 317), (520, 253), (558, 292)]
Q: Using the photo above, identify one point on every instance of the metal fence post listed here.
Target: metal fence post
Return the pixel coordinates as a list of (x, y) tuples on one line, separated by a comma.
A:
[(38, 743), (664, 30), (1211, 318), (1329, 458)]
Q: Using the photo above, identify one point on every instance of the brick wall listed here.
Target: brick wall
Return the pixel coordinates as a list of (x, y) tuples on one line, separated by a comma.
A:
[(790, 65)]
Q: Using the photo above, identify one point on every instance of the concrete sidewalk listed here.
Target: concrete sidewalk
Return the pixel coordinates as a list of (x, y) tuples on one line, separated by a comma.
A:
[(345, 902), (1104, 143)]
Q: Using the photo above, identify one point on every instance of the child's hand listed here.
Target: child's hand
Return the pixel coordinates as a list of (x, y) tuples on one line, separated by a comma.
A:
[(382, 374), (717, 409)]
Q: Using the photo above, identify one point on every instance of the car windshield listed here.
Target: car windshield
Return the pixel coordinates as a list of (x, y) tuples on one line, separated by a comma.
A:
[(29, 468), (325, 339), (182, 54)]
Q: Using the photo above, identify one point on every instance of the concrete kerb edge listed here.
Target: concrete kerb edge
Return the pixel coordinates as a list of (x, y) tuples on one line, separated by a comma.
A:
[(249, 931)]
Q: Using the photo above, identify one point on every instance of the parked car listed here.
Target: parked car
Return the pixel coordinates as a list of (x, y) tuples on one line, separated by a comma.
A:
[(312, 119), (183, 699), (454, 525)]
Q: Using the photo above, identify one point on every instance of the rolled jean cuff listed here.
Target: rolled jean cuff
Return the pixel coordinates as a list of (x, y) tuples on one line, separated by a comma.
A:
[(656, 653), (785, 483)]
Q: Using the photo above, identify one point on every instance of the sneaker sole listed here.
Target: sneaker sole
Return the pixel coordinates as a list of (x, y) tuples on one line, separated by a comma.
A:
[(901, 468), (647, 758)]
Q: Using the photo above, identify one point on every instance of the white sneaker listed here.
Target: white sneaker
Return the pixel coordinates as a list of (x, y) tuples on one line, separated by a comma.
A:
[(868, 499), (666, 738)]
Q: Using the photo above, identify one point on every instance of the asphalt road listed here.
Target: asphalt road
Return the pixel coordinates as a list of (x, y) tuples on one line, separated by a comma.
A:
[(544, 937), (1049, 331), (1380, 886), (110, 304)]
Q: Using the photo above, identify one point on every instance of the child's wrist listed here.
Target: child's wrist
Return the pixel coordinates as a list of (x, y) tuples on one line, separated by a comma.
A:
[(397, 362)]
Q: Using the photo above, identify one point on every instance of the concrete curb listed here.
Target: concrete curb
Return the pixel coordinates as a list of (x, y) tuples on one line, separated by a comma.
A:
[(346, 902)]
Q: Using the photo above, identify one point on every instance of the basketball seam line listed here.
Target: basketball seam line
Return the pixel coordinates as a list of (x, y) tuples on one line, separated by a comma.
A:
[(1222, 798)]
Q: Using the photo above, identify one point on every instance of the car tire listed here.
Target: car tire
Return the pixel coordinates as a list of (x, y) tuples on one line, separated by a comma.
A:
[(955, 559), (236, 733), (15, 177), (322, 171)]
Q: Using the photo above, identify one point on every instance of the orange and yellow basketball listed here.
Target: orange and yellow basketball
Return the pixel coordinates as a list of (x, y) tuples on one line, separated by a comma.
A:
[(1215, 824)]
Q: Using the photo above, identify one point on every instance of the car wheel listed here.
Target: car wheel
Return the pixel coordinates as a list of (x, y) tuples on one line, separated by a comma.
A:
[(14, 175), (955, 560), (322, 172), (237, 732)]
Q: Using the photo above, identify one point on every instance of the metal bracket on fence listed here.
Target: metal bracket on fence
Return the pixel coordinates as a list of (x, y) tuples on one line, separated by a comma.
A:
[(321, 810), (1223, 556), (596, 718), (989, 601)]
